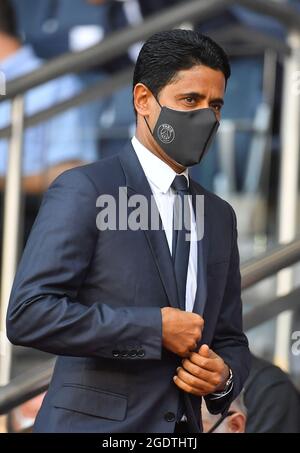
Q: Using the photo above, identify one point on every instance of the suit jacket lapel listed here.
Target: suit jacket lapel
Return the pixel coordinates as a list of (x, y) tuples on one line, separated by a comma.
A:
[(137, 183)]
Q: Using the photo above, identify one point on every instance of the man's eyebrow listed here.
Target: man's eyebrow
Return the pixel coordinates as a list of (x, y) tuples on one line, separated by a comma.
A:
[(194, 94), (217, 101)]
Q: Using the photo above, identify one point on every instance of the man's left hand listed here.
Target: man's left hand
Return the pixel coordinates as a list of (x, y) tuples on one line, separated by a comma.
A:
[(202, 373)]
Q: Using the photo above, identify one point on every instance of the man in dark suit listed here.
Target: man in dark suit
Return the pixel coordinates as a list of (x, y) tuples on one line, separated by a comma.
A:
[(145, 316)]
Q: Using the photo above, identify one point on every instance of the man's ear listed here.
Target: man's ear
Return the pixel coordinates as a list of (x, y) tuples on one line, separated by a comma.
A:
[(142, 97), (236, 423)]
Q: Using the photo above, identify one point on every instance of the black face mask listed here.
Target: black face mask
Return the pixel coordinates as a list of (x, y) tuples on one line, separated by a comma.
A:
[(185, 135)]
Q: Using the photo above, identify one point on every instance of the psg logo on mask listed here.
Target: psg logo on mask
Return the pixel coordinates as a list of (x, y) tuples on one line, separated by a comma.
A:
[(166, 133)]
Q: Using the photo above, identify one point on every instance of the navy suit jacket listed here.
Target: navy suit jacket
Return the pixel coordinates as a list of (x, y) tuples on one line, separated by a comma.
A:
[(94, 298)]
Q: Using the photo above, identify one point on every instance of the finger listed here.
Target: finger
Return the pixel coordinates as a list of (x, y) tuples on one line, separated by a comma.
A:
[(187, 388), (204, 351), (194, 381), (206, 363), (201, 373)]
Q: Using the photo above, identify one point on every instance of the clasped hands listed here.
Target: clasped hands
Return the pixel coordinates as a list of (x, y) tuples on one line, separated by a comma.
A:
[(202, 371)]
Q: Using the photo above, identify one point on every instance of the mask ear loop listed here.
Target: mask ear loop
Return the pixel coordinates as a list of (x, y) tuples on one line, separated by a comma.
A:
[(148, 126), (145, 117)]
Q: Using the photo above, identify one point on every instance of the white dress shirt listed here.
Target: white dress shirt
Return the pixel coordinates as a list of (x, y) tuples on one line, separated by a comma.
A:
[(160, 177)]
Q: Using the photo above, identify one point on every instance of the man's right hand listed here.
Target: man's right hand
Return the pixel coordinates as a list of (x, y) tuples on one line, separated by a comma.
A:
[(181, 330)]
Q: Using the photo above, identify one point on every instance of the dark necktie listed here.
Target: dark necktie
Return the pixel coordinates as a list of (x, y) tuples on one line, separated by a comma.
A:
[(181, 232), (181, 250)]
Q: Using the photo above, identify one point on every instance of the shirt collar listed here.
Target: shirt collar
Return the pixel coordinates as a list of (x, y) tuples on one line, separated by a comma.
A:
[(158, 173)]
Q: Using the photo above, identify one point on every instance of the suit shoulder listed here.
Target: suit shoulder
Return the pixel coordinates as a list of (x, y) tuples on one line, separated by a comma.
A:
[(98, 174), (215, 201), (100, 167)]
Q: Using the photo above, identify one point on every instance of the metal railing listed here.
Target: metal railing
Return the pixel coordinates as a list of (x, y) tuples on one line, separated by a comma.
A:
[(97, 90), (26, 386), (269, 263), (117, 43)]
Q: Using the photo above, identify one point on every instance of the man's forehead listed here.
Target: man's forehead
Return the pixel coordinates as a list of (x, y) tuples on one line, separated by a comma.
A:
[(197, 77)]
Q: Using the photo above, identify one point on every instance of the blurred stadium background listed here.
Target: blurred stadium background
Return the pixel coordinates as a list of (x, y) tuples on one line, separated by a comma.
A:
[(67, 101)]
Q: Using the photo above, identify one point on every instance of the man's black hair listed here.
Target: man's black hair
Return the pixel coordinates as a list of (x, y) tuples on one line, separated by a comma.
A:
[(165, 53), (8, 23)]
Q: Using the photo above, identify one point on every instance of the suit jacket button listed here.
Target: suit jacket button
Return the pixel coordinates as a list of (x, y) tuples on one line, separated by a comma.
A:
[(124, 353), (141, 353), (133, 353), (170, 417), (116, 353)]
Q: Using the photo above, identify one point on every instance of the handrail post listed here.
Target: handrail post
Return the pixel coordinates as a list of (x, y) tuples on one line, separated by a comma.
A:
[(288, 196), (11, 228)]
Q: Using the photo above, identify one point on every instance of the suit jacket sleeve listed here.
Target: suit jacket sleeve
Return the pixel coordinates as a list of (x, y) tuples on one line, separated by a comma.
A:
[(44, 311), (229, 340)]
